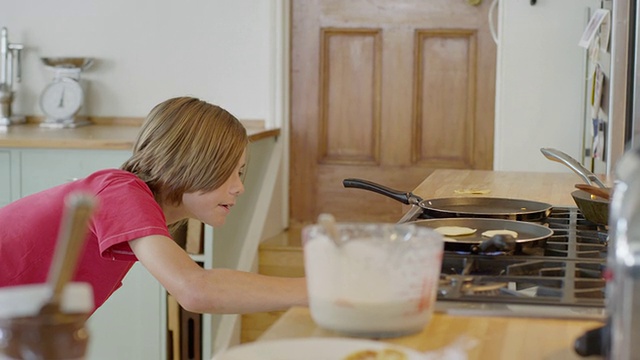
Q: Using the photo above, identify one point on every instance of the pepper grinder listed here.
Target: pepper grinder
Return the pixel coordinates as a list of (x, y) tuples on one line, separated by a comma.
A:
[(10, 68)]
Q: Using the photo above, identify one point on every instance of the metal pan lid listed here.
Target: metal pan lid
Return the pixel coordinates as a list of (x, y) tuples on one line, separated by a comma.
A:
[(505, 208)]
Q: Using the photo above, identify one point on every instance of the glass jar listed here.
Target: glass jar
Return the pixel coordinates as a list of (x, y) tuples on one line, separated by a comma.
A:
[(623, 263)]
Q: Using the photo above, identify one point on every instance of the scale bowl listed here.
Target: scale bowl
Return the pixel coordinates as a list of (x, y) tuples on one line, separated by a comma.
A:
[(81, 63)]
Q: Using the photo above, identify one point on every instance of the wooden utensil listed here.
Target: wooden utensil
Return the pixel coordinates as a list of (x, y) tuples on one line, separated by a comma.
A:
[(73, 230), (595, 190)]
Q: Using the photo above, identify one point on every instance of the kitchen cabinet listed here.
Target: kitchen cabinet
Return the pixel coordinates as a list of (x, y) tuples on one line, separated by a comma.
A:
[(132, 324), (27, 171), (24, 171), (5, 178), (43, 168)]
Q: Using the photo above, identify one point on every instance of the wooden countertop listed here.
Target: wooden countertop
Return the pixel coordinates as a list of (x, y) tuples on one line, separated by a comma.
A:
[(498, 337), (553, 188), (95, 136)]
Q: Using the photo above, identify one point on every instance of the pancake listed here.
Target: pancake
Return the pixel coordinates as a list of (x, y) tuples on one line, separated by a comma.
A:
[(455, 230), (492, 233), (384, 354)]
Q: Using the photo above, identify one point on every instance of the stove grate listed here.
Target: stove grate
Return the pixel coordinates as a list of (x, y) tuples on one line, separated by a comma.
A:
[(568, 269)]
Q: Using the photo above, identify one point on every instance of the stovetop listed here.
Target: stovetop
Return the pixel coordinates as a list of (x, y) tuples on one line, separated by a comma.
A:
[(561, 278)]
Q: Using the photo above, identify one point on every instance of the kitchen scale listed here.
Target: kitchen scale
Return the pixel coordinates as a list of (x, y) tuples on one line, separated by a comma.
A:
[(62, 100)]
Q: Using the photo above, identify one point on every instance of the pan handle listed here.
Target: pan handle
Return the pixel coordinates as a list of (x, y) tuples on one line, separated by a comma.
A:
[(573, 164), (404, 197)]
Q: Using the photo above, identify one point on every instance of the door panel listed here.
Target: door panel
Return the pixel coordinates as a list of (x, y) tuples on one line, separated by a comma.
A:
[(445, 82), (349, 88), (386, 91)]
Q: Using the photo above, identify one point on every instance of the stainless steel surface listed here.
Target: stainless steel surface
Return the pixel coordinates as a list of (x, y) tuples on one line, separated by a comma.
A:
[(633, 119), (10, 71), (413, 213), (623, 291), (623, 80), (595, 210), (561, 157), (562, 276)]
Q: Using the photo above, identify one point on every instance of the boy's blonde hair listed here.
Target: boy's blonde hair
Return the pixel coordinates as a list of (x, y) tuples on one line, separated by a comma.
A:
[(186, 145)]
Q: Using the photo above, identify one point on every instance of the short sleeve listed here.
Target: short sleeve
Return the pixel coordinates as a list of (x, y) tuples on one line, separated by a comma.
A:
[(127, 211)]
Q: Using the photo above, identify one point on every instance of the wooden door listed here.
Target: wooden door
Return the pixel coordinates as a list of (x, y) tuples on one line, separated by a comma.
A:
[(386, 91)]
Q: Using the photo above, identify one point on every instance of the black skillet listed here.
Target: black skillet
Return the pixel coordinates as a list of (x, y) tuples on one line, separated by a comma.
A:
[(468, 207), (528, 234)]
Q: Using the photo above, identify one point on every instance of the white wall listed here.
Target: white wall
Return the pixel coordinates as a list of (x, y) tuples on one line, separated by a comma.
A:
[(231, 53), (149, 50), (540, 83)]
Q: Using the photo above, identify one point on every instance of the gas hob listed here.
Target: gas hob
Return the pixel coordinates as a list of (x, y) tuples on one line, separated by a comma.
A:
[(563, 277)]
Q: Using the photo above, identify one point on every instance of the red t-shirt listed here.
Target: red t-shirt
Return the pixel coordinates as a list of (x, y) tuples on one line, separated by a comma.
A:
[(126, 211)]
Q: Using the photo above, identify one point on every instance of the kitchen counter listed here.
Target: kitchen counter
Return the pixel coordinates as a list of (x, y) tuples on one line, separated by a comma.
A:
[(498, 337), (96, 136), (552, 188)]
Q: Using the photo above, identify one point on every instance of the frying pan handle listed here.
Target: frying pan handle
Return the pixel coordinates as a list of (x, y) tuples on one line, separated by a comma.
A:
[(404, 197), (573, 164)]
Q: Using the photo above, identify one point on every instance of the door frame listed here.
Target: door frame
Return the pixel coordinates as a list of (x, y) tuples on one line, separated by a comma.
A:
[(278, 100)]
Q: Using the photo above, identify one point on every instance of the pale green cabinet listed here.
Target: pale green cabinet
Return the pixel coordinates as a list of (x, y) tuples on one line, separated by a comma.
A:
[(43, 168), (5, 178), (130, 324), (25, 171)]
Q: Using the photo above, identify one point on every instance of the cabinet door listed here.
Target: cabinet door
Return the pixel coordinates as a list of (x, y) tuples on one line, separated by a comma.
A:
[(5, 178), (42, 169), (130, 324)]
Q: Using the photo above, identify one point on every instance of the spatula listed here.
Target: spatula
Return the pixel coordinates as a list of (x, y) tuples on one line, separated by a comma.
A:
[(594, 190), (328, 222), (73, 230)]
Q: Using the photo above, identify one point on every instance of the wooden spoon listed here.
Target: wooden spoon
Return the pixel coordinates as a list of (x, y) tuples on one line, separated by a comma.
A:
[(78, 209), (328, 222), (595, 190)]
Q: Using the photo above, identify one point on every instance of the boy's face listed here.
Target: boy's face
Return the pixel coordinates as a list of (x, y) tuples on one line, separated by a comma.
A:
[(213, 207)]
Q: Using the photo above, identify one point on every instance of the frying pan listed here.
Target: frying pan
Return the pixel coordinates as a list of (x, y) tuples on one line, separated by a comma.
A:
[(593, 208), (573, 164), (529, 234), (468, 207)]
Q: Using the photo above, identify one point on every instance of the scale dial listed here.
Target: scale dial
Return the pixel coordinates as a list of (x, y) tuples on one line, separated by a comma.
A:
[(62, 99)]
